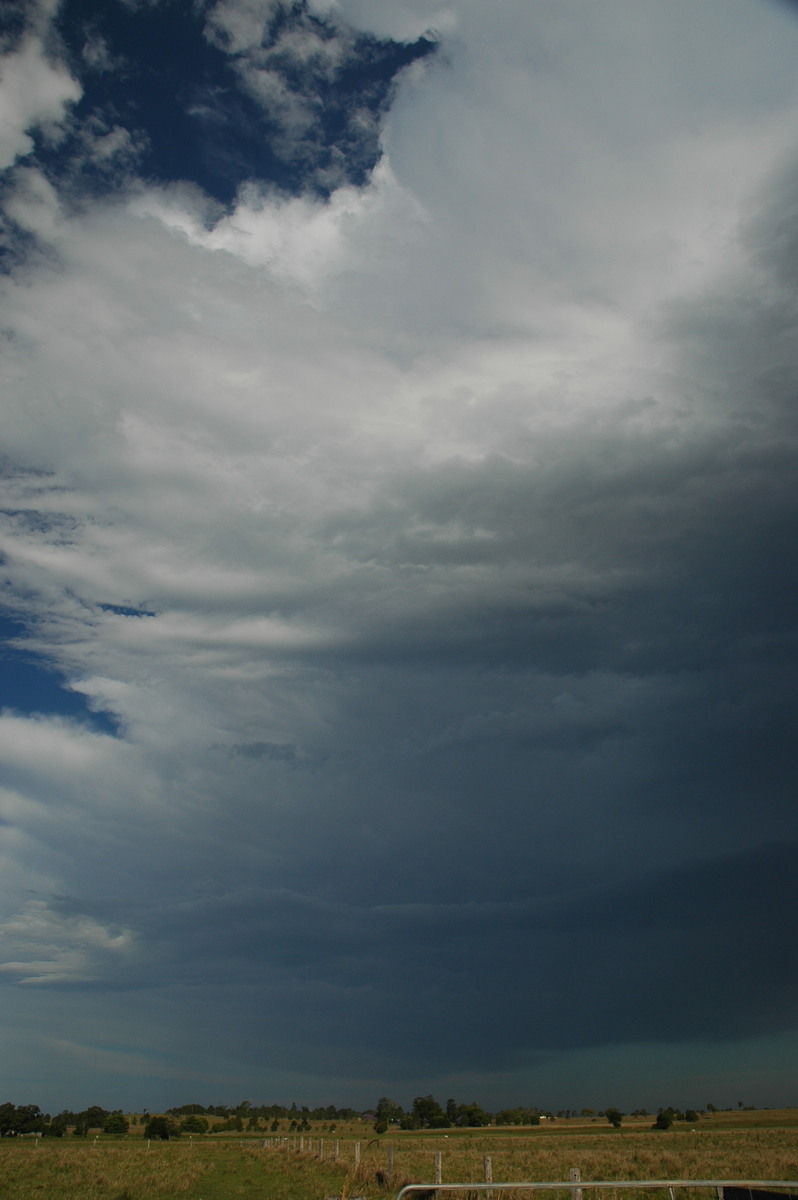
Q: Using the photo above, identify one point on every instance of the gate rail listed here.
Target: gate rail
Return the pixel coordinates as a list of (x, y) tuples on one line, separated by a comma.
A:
[(579, 1185)]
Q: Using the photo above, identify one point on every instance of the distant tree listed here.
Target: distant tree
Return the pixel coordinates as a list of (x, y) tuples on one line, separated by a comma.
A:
[(194, 1123), (664, 1119), (233, 1124), (116, 1123), (690, 1115), (275, 1125), (58, 1125), (711, 1108), (614, 1116), (162, 1127), (429, 1113), (472, 1116), (511, 1116), (588, 1112), (386, 1113), (21, 1118), (94, 1117)]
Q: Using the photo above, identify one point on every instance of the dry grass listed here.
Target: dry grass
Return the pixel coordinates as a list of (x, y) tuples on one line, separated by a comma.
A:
[(56, 1171), (212, 1169), (622, 1154)]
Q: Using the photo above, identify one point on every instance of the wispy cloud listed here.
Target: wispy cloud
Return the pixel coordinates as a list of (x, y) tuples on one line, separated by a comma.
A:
[(51, 947)]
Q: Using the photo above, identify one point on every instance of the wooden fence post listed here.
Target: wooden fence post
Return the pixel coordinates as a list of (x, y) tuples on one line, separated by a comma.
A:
[(574, 1175), (389, 1159), (357, 1154), (438, 1167)]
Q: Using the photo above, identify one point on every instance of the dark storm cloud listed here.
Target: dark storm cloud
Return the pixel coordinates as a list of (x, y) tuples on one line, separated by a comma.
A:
[(659, 557), (701, 952)]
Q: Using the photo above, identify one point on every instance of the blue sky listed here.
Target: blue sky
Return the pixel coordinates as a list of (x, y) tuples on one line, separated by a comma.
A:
[(399, 502)]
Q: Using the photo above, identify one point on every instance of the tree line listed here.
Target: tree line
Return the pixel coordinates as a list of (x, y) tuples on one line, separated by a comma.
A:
[(425, 1113), (20, 1120)]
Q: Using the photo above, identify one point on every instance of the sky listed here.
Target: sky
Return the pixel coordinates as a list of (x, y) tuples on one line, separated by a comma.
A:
[(400, 503)]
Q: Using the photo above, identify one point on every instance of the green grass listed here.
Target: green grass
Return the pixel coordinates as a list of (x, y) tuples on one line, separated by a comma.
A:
[(198, 1170)]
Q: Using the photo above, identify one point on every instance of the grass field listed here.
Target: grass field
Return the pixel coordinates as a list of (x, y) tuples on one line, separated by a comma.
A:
[(726, 1145)]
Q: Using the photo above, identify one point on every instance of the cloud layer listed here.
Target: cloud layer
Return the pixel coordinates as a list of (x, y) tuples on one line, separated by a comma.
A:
[(426, 546)]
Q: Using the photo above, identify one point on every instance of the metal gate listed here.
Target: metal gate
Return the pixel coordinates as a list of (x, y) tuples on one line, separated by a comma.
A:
[(576, 1186)]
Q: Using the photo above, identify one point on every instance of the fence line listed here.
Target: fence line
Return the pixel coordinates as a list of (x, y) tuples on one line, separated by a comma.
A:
[(574, 1184)]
